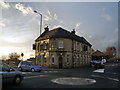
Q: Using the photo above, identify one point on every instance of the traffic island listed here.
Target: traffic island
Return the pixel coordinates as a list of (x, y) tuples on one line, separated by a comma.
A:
[(73, 81)]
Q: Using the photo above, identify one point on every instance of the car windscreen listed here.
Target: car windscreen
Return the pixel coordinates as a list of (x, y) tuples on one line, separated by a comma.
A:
[(31, 63)]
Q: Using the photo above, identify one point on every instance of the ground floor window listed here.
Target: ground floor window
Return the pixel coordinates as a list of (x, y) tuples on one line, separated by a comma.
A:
[(67, 58), (53, 61), (44, 60)]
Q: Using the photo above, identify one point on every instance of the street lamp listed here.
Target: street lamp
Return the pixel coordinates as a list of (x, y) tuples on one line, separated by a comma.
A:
[(40, 20)]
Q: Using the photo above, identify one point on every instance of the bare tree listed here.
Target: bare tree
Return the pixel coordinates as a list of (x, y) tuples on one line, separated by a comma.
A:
[(14, 56)]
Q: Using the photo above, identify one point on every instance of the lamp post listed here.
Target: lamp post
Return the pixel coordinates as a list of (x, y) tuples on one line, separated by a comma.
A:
[(40, 29), (40, 20)]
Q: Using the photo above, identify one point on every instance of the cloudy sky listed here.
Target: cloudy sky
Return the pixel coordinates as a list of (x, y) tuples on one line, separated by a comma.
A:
[(97, 22)]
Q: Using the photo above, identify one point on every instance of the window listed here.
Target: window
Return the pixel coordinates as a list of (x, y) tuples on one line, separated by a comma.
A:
[(74, 46), (44, 60), (53, 59), (67, 58), (4, 67), (38, 46), (85, 48), (81, 47), (77, 46), (60, 44)]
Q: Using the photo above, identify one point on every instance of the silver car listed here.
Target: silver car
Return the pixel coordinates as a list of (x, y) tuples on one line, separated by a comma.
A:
[(10, 74), (28, 66)]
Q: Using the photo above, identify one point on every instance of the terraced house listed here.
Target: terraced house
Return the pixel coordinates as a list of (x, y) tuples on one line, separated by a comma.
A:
[(59, 48)]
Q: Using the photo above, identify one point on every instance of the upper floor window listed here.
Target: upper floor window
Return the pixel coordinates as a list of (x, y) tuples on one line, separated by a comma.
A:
[(85, 48), (78, 46), (74, 47), (60, 44)]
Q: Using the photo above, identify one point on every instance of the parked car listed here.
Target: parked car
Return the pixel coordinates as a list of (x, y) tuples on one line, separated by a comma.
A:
[(97, 64), (116, 61), (28, 66), (10, 74)]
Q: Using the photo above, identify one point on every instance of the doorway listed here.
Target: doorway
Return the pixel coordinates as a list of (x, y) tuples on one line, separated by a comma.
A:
[(60, 63)]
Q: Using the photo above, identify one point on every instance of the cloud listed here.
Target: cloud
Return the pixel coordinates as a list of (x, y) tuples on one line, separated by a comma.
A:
[(90, 36), (107, 17), (49, 13), (4, 5), (2, 25), (47, 18), (51, 17), (23, 9), (58, 26), (77, 25), (55, 17)]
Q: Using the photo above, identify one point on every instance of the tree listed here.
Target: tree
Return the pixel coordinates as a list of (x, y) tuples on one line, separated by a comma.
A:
[(14, 56), (3, 57)]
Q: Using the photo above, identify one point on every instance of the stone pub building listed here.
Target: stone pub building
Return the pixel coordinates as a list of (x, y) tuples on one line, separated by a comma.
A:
[(59, 48)]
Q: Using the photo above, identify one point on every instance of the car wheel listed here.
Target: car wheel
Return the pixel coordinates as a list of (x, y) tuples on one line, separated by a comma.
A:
[(20, 68), (17, 80), (33, 70)]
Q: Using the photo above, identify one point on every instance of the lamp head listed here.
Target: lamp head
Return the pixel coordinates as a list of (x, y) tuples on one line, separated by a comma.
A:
[(35, 11)]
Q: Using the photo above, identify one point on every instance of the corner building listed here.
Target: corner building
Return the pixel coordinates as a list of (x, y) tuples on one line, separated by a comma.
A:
[(59, 48)]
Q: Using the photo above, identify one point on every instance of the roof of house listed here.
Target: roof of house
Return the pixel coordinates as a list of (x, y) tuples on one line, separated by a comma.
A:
[(62, 33), (98, 53)]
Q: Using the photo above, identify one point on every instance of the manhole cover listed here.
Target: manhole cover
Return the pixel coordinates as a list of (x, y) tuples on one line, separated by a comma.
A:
[(73, 81)]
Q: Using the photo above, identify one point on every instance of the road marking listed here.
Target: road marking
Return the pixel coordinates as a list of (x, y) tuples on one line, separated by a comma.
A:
[(49, 71), (26, 72), (35, 76), (31, 77), (99, 70), (106, 77)]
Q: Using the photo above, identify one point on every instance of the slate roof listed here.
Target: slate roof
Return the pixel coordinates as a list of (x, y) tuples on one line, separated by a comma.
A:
[(62, 33), (98, 53)]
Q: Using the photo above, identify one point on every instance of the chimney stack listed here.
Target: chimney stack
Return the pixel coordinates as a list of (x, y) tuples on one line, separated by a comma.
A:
[(46, 29), (73, 31)]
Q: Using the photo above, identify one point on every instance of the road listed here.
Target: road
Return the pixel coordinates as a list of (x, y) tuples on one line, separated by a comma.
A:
[(107, 79)]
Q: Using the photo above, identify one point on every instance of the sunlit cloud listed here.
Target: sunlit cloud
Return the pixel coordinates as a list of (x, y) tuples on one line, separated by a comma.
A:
[(4, 5), (58, 26), (77, 25), (23, 9)]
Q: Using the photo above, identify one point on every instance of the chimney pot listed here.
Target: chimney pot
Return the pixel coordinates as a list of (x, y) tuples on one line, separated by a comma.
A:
[(46, 28), (73, 31)]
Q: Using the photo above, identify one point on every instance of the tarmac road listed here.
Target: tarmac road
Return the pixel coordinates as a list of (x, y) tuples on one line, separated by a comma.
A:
[(107, 79)]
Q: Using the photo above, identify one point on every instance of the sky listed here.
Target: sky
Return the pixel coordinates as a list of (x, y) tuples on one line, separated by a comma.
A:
[(97, 22)]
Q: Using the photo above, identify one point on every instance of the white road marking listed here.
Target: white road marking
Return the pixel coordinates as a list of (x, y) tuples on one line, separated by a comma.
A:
[(34, 76), (26, 72), (31, 77), (106, 77), (99, 70), (49, 71)]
